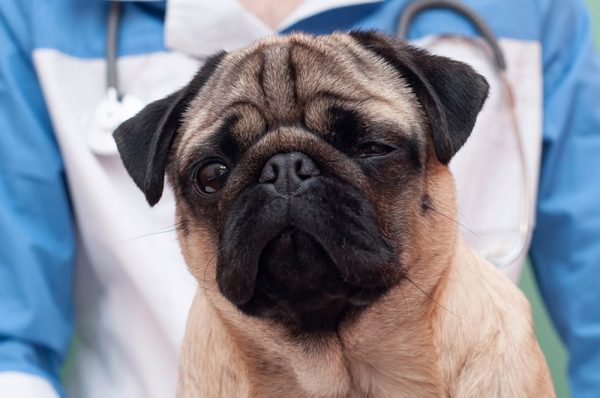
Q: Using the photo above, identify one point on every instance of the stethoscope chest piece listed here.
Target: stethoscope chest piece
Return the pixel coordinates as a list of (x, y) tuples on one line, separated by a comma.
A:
[(109, 113)]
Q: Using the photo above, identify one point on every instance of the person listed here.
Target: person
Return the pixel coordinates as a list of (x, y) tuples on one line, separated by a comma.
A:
[(78, 242)]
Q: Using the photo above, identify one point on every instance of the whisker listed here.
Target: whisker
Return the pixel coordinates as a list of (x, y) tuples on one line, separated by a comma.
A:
[(429, 296), (209, 263), (165, 230), (457, 222)]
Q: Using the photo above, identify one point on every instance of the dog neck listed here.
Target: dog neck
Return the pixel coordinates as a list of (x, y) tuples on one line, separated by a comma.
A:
[(391, 346), (417, 339)]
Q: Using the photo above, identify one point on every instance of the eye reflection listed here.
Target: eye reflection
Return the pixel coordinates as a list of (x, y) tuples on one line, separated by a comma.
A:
[(211, 177)]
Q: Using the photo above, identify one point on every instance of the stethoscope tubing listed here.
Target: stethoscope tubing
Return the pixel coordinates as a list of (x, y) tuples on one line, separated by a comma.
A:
[(112, 38), (416, 7), (525, 222)]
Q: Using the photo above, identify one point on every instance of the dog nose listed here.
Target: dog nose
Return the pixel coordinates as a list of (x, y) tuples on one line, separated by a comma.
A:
[(288, 172)]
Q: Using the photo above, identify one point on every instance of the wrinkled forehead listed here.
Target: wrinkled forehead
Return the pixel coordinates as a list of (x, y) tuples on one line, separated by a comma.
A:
[(299, 80)]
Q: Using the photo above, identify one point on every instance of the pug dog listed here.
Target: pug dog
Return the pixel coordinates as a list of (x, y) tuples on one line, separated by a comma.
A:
[(315, 208)]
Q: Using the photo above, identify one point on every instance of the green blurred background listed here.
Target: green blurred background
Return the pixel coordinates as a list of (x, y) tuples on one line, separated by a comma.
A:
[(594, 6), (551, 343)]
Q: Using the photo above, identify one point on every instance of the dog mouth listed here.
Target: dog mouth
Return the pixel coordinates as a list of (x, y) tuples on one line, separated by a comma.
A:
[(294, 264), (298, 283), (306, 261)]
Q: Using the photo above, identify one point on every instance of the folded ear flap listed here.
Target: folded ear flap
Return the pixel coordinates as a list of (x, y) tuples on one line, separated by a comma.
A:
[(144, 141), (451, 92)]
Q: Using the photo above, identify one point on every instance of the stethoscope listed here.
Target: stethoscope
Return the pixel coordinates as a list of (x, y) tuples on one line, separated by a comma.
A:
[(117, 107)]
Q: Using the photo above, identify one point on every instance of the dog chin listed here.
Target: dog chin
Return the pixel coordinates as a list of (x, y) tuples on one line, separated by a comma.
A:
[(306, 261)]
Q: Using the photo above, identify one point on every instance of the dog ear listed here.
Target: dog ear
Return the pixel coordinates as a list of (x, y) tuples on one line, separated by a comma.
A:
[(144, 141), (451, 92)]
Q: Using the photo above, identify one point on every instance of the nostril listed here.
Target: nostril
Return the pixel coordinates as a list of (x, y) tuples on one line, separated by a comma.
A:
[(269, 173), (298, 168), (305, 168)]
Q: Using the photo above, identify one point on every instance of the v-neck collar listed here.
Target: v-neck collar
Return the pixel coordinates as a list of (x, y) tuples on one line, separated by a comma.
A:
[(202, 27)]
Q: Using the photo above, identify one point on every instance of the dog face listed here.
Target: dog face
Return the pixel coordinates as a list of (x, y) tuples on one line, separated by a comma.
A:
[(304, 168)]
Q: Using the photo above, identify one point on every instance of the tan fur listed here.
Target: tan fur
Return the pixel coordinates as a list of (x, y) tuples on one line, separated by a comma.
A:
[(456, 327)]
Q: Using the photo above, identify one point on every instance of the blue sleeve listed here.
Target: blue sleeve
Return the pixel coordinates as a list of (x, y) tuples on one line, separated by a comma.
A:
[(566, 243), (36, 226)]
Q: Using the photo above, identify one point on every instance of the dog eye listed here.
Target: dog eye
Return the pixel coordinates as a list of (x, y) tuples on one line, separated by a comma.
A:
[(211, 177), (371, 149)]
